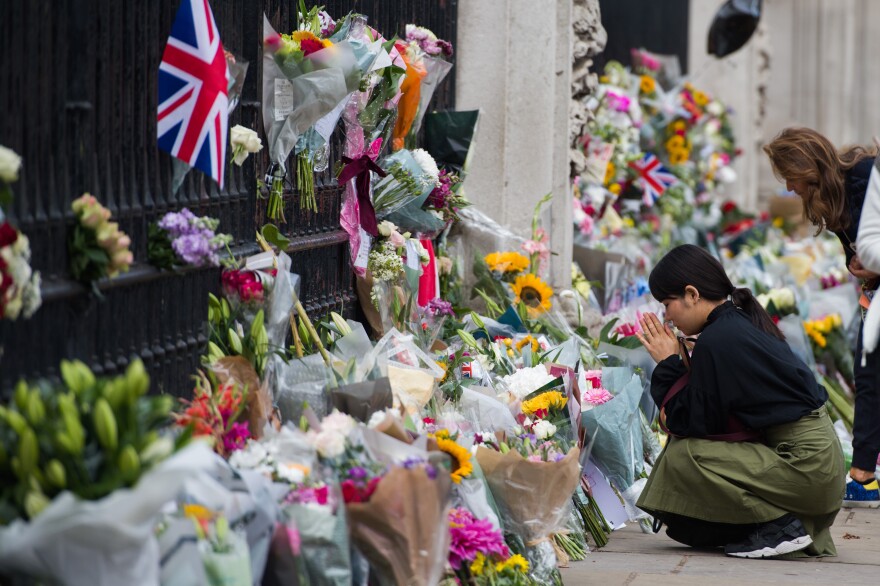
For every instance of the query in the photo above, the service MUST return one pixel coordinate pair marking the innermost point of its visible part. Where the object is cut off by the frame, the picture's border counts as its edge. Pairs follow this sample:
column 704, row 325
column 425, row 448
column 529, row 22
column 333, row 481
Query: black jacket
column 856, row 185
column 736, row 369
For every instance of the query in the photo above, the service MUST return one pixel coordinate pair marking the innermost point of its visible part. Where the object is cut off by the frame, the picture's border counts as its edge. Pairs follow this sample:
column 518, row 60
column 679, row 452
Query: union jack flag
column 653, row 176
column 193, row 91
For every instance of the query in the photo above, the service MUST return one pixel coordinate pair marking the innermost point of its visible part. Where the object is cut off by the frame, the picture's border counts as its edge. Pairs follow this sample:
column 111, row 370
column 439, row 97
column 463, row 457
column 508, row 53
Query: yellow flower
column 629, row 223
column 700, row 99
column 604, row 79
column 534, row 292
column 478, row 565
column 528, row 340
column 614, row 188
column 647, row 84
column 198, row 512
column 679, row 157
column 300, row 36
column 514, row 562
column 610, row 171
column 675, row 143
column 544, row 401
column 507, row 262
column 679, row 125
column 778, row 222
column 461, row 457
column 326, row 43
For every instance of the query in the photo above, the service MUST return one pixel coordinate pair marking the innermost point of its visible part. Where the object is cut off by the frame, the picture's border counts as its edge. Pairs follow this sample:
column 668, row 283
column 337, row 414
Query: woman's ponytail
column 742, row 297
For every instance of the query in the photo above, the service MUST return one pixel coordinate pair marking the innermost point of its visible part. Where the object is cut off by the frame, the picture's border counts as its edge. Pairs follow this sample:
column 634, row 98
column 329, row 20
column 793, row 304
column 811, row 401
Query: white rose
column 291, row 473
column 386, row 228
column 244, row 141
column 726, row 175
column 544, row 429
column 715, row 108
column 782, row 298
column 330, row 444
column 9, row 165
column 338, row 422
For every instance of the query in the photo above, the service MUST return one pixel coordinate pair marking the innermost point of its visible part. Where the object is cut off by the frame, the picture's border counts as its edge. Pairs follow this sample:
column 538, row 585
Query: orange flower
column 408, row 106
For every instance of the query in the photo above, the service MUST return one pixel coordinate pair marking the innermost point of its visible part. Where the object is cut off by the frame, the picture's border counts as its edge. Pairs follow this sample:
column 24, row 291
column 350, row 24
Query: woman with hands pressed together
column 752, row 462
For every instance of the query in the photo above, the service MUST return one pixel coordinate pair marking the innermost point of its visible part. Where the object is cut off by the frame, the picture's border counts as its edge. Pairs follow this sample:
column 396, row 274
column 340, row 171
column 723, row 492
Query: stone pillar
column 514, row 64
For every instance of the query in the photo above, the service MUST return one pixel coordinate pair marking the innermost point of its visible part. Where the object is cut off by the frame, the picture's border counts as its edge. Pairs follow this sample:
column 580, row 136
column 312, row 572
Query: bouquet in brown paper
column 532, row 484
column 257, row 408
column 402, row 528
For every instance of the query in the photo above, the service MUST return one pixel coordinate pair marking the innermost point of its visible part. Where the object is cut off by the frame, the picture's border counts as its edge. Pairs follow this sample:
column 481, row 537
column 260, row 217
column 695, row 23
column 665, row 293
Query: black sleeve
column 665, row 374
column 691, row 413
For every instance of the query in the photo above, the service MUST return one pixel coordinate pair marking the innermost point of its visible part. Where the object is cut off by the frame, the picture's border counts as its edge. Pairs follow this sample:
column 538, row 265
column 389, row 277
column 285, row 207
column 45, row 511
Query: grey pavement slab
column 633, row 558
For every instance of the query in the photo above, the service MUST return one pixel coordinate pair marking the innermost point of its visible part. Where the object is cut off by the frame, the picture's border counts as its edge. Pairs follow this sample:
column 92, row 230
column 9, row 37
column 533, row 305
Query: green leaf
column 274, row 236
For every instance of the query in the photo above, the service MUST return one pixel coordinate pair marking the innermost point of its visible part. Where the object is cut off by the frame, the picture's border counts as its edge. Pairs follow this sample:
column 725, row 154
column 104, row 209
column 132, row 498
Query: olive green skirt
column 798, row 469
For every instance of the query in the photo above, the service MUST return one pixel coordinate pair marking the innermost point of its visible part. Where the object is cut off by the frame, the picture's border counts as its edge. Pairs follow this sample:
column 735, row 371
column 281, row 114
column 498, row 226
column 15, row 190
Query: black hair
column 691, row 265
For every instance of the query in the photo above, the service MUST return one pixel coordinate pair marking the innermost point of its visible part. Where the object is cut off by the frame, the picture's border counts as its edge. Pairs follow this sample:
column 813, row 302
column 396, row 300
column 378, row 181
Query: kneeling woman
column 752, row 463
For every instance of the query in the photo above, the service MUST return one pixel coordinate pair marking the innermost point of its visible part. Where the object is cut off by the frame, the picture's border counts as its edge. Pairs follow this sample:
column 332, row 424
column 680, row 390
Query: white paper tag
column 327, row 124
column 412, row 256
column 283, row 99
column 363, row 253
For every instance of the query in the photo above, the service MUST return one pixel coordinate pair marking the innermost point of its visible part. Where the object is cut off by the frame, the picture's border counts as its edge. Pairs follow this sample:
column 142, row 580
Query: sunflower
column 461, row 458
column 647, row 84
column 675, row 143
column 532, row 291
column 528, row 340
column 679, row 156
column 507, row 262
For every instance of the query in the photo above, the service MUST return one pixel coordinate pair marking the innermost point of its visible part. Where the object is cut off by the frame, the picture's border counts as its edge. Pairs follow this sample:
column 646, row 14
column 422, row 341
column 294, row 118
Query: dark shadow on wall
column 660, row 26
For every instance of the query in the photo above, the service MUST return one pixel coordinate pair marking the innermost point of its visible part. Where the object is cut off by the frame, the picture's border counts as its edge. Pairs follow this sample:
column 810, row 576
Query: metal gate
column 78, row 103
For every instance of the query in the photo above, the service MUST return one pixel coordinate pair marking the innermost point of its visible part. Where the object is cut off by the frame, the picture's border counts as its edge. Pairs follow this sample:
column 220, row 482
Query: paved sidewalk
column 634, row 558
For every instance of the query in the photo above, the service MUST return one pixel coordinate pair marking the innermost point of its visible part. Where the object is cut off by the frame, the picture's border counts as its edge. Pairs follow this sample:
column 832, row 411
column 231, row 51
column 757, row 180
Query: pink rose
column 397, row 239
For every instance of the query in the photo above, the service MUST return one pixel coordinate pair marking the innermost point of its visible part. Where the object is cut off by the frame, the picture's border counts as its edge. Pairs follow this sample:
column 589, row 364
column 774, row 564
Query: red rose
column 371, row 488
column 8, row 235
column 350, row 492
column 251, row 291
column 310, row 46
column 728, row 207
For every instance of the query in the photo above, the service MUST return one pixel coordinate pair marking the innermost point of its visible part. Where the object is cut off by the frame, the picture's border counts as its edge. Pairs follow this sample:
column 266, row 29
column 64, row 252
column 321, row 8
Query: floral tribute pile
column 463, row 434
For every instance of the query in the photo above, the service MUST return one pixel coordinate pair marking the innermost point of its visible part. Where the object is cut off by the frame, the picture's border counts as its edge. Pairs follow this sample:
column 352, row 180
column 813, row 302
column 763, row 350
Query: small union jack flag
column 193, row 91
column 654, row 178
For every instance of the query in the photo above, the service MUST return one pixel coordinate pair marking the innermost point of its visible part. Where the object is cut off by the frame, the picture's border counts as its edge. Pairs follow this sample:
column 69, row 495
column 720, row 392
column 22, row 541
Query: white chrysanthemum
column 527, row 380
column 338, row 422
column 252, row 456
column 428, row 165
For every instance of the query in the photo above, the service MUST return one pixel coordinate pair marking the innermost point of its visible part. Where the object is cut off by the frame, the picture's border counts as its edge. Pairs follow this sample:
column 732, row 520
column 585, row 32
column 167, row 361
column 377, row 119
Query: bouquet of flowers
column 85, row 476
column 411, row 178
column 215, row 413
column 305, row 77
column 19, row 283
column 426, row 66
column 181, row 238
column 97, row 247
column 478, row 554
column 532, row 483
column 224, row 553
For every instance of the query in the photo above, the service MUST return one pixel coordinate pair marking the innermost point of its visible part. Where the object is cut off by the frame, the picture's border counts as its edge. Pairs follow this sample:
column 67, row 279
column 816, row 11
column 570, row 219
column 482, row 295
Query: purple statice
column 193, row 239
column 439, row 307
column 416, row 462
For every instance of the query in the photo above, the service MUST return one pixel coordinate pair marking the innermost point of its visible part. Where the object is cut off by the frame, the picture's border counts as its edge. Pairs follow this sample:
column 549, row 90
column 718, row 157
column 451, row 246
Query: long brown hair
column 802, row 154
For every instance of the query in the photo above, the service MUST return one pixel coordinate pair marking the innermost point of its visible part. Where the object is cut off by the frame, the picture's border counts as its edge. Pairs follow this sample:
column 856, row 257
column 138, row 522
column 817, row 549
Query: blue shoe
column 862, row 495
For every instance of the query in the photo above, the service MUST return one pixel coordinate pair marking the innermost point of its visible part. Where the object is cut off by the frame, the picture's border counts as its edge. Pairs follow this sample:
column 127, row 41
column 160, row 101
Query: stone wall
column 589, row 40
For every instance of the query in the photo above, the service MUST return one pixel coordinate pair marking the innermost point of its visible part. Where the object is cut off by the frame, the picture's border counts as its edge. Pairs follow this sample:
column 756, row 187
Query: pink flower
column 586, row 226
column 236, row 437
column 618, row 102
column 273, row 42
column 293, row 539
column 397, row 239
column 594, row 378
column 470, row 536
column 626, row 330
column 596, row 396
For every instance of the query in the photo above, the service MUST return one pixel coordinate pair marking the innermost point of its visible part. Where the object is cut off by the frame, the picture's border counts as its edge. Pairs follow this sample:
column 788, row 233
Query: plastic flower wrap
column 86, row 477
column 426, row 66
column 532, row 482
column 19, row 283
column 181, row 238
column 97, row 247
column 305, row 78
